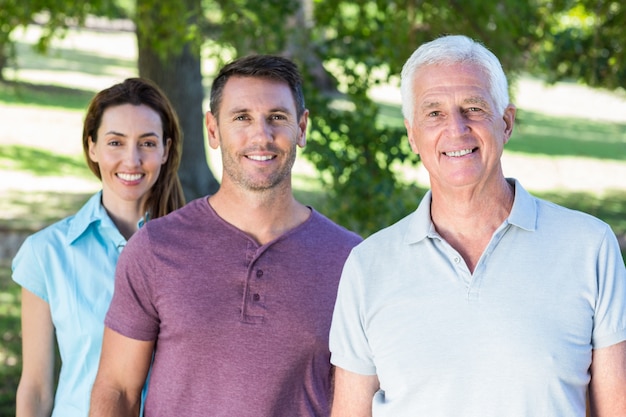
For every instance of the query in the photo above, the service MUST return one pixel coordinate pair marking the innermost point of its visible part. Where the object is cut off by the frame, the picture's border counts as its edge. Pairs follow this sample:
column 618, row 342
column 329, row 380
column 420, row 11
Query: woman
column 132, row 143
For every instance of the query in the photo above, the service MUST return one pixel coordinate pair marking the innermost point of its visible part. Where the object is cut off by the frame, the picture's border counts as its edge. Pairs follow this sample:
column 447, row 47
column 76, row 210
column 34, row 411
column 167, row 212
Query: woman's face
column 130, row 150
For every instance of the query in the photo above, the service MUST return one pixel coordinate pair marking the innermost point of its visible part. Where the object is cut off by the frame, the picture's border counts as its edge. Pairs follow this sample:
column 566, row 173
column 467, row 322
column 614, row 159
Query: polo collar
column 523, row 215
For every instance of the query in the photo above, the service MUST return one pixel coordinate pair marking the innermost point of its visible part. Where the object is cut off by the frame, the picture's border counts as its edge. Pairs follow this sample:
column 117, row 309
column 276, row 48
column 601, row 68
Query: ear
column 302, row 124
column 166, row 152
column 212, row 131
column 92, row 150
column 509, row 121
column 412, row 142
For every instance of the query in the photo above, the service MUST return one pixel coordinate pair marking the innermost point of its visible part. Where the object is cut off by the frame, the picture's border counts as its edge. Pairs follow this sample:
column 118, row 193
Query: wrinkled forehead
column 464, row 81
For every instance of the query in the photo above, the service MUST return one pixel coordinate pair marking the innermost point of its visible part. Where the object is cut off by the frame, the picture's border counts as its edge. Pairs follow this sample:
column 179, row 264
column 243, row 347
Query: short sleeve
column 27, row 269
column 610, row 312
column 132, row 312
column 348, row 340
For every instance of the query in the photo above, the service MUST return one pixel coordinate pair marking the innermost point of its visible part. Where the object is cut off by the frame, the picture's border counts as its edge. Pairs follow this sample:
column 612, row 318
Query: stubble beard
column 275, row 179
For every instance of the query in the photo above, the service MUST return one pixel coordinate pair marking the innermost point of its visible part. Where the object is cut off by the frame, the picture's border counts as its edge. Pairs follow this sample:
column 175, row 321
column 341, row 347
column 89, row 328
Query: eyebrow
column 476, row 100
column 430, row 105
column 470, row 100
column 144, row 135
column 273, row 110
column 280, row 110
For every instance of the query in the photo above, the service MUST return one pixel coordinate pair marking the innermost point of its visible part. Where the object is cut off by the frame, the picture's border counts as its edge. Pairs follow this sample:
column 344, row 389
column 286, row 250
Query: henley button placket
column 257, row 296
column 259, row 274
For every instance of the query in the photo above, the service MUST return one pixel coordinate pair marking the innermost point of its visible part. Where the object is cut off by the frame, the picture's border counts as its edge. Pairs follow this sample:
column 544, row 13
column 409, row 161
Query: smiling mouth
column 461, row 152
column 129, row 177
column 260, row 157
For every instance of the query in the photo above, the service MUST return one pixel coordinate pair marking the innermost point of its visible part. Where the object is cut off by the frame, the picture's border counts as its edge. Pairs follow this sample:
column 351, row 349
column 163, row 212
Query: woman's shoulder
column 62, row 231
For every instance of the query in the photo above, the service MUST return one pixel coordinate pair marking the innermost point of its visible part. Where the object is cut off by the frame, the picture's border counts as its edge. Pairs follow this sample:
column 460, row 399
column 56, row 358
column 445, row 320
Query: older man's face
column 455, row 128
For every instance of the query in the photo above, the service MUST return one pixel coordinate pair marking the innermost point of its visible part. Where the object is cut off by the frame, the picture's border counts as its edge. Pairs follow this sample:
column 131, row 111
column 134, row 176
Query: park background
column 569, row 144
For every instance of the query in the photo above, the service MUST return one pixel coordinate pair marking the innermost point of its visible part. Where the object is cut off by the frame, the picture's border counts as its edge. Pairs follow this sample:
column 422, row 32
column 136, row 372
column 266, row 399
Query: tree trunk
column 299, row 47
column 179, row 75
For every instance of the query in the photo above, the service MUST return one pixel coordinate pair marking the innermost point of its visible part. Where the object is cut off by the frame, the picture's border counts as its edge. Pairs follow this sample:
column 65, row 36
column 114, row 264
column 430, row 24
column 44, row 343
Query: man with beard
column 228, row 301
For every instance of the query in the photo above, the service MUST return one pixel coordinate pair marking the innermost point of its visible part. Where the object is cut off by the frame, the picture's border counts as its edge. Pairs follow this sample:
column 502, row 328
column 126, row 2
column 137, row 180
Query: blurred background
column 565, row 60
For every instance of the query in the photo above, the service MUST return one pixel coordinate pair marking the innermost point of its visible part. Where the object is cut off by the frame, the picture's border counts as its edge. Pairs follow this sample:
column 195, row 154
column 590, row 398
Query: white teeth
column 260, row 157
column 459, row 153
column 129, row 177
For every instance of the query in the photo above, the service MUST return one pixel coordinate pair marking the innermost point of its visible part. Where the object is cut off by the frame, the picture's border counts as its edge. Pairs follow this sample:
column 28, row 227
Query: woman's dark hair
column 166, row 194
column 263, row 66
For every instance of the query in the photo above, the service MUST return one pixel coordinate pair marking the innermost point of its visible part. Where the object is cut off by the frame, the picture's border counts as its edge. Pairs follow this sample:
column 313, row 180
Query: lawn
column 9, row 341
column 62, row 84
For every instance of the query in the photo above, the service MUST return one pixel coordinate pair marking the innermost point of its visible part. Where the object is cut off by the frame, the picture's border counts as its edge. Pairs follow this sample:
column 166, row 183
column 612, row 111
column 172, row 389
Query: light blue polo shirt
column 514, row 338
column 71, row 266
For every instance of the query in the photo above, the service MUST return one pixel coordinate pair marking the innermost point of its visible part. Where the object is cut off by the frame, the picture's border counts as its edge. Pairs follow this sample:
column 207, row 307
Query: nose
column 262, row 131
column 457, row 123
column 132, row 156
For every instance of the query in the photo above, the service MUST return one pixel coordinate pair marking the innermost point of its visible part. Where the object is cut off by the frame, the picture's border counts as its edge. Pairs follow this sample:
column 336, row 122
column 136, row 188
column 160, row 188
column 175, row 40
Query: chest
column 80, row 285
column 505, row 322
column 239, row 293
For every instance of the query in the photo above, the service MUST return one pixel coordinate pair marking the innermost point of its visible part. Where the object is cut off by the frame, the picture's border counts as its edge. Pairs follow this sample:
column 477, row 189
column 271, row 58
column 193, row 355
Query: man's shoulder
column 536, row 213
column 180, row 224
column 561, row 215
column 394, row 239
column 190, row 213
column 324, row 225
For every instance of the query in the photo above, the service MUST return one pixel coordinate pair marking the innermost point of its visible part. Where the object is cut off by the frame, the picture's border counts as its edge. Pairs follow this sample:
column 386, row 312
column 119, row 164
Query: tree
column 345, row 47
column 351, row 169
column 365, row 42
column 19, row 13
column 586, row 42
column 169, row 54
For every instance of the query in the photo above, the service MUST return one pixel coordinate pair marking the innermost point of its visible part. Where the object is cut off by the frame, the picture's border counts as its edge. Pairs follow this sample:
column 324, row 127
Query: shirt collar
column 420, row 224
column 92, row 211
column 523, row 215
column 143, row 220
column 524, row 211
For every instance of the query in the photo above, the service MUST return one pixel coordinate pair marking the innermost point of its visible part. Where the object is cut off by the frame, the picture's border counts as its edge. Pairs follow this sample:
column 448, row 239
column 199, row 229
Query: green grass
column 42, row 162
column 10, row 348
column 539, row 134
column 28, row 212
column 19, row 93
column 62, row 59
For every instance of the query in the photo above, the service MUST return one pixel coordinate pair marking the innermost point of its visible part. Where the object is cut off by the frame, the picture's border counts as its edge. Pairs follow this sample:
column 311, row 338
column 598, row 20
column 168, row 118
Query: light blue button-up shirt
column 71, row 266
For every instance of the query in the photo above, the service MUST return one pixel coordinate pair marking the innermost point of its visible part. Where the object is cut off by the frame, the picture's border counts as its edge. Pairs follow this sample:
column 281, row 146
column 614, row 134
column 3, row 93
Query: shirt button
column 256, row 297
column 457, row 259
column 259, row 273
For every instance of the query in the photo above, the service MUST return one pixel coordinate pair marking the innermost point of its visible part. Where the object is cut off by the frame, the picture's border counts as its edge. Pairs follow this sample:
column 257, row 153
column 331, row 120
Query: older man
column 486, row 301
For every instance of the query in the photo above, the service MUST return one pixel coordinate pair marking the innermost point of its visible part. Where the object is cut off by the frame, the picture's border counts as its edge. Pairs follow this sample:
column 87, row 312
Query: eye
column 278, row 117
column 474, row 109
column 434, row 113
column 241, row 117
column 114, row 142
column 150, row 144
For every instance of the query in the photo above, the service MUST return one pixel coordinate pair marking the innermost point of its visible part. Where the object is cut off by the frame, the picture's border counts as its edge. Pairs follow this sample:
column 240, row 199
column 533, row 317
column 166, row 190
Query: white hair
column 448, row 50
